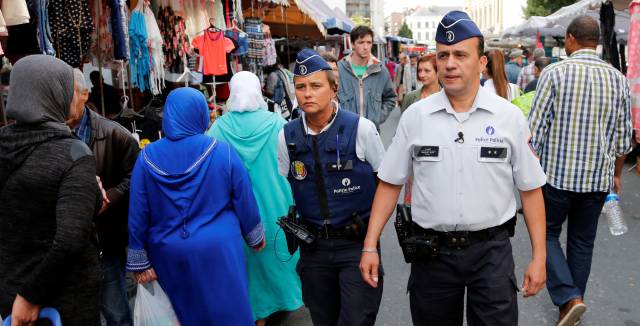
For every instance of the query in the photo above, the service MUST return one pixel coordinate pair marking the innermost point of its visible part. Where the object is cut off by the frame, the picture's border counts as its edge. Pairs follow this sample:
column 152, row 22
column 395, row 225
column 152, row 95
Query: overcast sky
column 398, row 5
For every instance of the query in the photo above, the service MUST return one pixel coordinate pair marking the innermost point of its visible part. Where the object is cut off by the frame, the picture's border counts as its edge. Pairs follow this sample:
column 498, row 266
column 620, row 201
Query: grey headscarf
column 41, row 91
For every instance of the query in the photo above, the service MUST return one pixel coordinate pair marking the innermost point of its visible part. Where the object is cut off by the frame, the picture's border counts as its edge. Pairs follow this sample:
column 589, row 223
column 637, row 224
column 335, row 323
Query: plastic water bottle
column 613, row 213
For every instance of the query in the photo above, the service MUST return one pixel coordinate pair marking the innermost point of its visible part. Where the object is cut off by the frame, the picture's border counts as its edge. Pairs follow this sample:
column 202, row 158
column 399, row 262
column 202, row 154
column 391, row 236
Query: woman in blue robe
column 191, row 206
column 253, row 131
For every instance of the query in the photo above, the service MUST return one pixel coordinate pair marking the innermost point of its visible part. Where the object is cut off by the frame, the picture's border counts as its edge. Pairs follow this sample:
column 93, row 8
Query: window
column 419, row 36
column 418, row 25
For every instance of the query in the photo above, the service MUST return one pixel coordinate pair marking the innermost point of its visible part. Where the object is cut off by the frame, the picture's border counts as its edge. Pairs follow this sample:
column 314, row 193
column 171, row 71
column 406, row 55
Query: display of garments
column 270, row 55
column 196, row 13
column 213, row 46
column 71, row 29
column 176, row 42
column 44, row 30
column 241, row 39
column 3, row 24
column 255, row 54
column 139, row 62
column 633, row 72
column 154, row 39
column 15, row 12
column 102, row 45
column 119, row 29
column 228, row 11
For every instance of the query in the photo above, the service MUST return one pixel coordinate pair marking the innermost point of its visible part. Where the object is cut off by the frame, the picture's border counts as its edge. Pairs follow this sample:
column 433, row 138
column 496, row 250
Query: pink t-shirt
column 213, row 46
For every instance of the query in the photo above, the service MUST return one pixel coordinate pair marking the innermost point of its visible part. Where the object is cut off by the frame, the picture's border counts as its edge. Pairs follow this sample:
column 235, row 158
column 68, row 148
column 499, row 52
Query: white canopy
column 556, row 23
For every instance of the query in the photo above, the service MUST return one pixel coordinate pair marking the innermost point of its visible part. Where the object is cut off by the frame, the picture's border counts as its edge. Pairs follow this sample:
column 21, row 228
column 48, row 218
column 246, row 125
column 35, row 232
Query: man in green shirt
column 365, row 86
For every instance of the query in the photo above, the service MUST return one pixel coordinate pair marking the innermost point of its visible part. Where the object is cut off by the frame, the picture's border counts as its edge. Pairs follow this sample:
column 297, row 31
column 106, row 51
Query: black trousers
column 332, row 286
column 485, row 270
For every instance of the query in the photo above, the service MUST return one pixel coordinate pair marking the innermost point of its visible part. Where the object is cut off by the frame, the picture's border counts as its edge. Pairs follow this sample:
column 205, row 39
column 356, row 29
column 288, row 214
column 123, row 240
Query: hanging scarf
column 139, row 57
column 154, row 38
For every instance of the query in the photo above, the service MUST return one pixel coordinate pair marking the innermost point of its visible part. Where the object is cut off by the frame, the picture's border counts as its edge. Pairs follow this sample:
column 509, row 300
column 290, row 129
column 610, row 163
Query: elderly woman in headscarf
column 48, row 198
column 191, row 206
column 253, row 131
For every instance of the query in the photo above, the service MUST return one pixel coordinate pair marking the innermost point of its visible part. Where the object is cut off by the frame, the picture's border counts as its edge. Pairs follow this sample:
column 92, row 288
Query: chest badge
column 298, row 170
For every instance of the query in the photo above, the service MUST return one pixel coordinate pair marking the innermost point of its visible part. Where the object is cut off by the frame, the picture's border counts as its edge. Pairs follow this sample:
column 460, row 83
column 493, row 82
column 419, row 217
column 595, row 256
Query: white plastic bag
column 153, row 308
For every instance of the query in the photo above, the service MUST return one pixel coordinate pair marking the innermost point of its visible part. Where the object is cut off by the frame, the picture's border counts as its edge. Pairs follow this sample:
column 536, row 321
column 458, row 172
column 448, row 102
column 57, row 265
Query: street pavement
column 612, row 291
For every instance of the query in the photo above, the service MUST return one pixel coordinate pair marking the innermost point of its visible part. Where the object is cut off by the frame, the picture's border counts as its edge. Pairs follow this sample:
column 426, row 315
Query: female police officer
column 467, row 150
column 329, row 157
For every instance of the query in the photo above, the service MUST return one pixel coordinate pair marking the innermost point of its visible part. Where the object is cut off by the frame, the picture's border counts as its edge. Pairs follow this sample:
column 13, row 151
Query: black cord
column 275, row 248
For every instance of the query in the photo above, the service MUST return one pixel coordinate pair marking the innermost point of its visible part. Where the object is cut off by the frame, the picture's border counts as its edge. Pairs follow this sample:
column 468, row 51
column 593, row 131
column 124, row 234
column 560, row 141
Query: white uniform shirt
column 462, row 186
column 369, row 147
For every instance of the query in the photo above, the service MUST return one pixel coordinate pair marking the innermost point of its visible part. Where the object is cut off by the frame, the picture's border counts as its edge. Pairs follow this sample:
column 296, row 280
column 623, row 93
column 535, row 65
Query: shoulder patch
column 78, row 150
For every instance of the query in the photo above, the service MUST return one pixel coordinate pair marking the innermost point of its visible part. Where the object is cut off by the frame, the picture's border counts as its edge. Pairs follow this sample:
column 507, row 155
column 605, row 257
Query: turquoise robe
column 274, row 284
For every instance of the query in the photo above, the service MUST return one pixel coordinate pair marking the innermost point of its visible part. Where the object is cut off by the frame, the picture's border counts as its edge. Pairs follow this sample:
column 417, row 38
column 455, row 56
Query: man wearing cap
column 514, row 66
column 365, row 86
column 467, row 150
column 330, row 157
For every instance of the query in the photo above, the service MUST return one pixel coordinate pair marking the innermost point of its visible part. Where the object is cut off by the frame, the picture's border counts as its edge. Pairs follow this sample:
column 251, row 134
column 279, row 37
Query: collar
column 482, row 101
column 313, row 133
column 584, row 53
column 372, row 59
column 83, row 129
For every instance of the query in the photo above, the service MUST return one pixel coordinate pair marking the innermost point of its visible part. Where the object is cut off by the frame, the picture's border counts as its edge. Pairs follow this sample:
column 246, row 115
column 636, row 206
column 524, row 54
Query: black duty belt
column 351, row 231
column 463, row 239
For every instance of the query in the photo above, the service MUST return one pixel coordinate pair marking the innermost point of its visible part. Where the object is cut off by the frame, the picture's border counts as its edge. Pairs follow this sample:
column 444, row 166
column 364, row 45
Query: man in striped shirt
column 581, row 129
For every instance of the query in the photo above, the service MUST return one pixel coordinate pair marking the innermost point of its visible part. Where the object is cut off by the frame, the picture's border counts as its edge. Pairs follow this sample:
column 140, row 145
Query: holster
column 414, row 247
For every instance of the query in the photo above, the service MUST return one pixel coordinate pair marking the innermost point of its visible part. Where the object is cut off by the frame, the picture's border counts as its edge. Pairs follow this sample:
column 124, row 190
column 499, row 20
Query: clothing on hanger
column 155, row 42
column 139, row 61
column 213, row 47
column 71, row 29
column 15, row 12
column 119, row 29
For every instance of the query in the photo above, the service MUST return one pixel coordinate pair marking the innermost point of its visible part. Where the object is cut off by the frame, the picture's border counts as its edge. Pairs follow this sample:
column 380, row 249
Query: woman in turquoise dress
column 253, row 131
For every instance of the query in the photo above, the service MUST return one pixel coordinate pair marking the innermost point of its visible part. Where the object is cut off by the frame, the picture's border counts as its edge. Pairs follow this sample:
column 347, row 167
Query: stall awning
column 306, row 19
column 400, row 39
column 555, row 25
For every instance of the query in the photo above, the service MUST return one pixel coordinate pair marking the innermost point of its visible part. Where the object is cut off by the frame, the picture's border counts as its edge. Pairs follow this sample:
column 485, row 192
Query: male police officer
column 467, row 149
column 329, row 157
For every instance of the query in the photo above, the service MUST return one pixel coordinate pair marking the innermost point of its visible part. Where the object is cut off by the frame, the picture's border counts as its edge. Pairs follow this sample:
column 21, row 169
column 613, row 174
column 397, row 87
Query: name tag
column 426, row 153
column 493, row 154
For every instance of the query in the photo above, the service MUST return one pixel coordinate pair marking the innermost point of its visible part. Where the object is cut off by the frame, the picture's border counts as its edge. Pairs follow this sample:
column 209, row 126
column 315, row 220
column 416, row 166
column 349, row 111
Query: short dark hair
column 585, row 30
column 542, row 62
column 360, row 32
column 480, row 45
column 94, row 76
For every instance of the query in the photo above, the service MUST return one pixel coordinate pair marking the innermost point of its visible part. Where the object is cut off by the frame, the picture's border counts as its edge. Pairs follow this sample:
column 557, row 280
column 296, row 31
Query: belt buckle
column 458, row 239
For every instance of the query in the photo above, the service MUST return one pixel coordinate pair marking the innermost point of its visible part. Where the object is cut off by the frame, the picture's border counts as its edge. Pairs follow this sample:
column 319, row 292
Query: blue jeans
column 115, row 304
column 567, row 276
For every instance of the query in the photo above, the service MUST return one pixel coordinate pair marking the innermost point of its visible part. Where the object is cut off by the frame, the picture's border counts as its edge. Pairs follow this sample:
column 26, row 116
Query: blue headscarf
column 185, row 119
column 185, row 114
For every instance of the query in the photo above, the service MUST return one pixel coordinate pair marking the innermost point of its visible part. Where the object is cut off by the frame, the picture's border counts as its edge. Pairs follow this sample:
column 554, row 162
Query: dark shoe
column 571, row 312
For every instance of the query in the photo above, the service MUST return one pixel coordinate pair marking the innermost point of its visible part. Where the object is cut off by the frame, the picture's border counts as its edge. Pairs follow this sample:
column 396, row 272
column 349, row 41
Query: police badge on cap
column 456, row 26
column 309, row 62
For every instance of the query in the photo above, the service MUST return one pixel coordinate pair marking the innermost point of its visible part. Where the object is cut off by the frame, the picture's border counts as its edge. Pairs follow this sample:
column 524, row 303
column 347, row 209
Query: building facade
column 395, row 21
column 358, row 8
column 372, row 9
column 494, row 16
column 424, row 21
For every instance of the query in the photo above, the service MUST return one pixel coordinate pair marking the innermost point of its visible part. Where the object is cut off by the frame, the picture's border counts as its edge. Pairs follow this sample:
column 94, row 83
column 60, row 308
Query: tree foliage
column 545, row 7
column 405, row 31
column 361, row 20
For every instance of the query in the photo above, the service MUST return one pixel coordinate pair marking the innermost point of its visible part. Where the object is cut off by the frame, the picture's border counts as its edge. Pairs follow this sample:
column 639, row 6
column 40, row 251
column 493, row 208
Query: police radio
column 294, row 231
